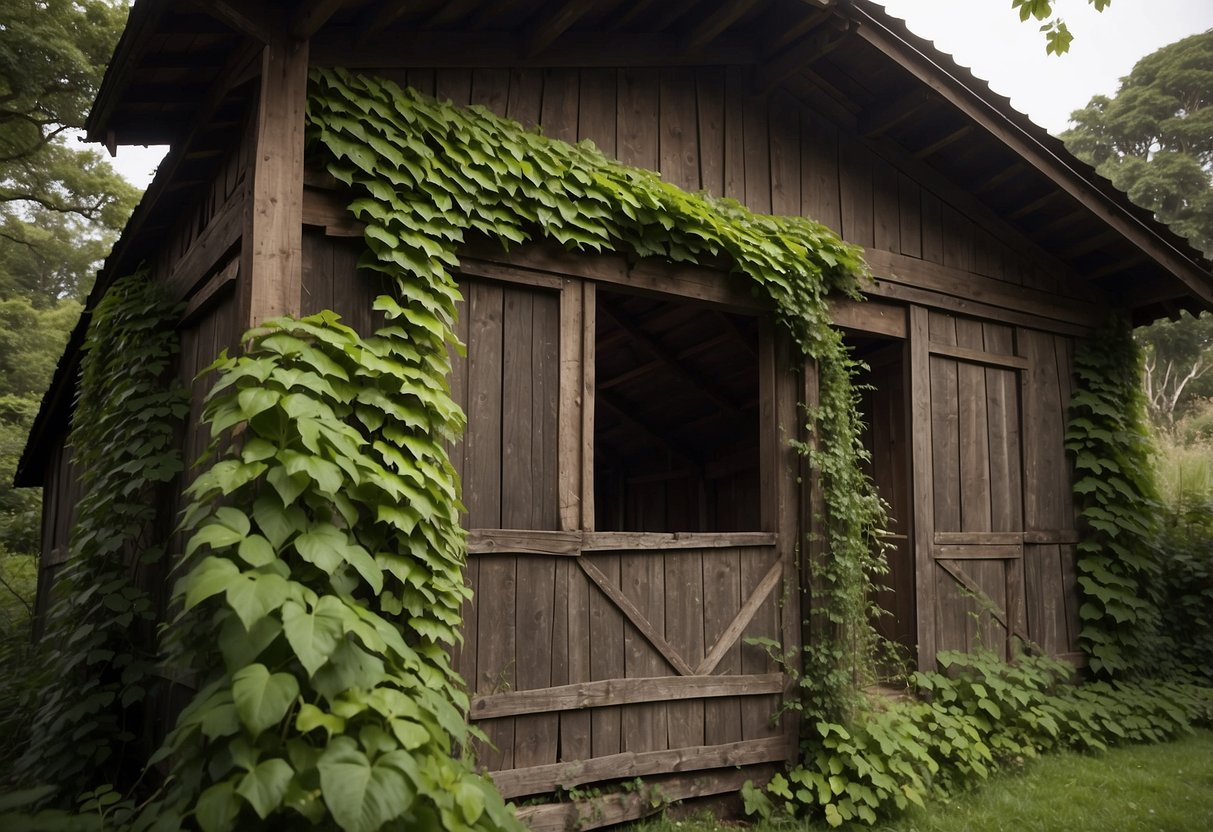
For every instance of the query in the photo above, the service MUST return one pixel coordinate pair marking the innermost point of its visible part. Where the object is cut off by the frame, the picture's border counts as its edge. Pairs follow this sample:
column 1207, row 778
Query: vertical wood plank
column 886, row 210
column 526, row 97
column 606, row 649
column 734, row 134
column 642, row 579
column 482, row 442
column 910, row 215
column 721, row 601
column 269, row 283
column 932, row 228
column 453, row 84
column 465, row 653
column 785, row 156
column 638, row 114
column 709, row 97
column 678, row 150
column 558, row 112
column 569, row 451
column 974, row 423
column 923, row 481
column 589, row 357
column 684, row 630
column 598, row 109
column 491, row 89
column 757, row 156
column 820, row 199
column 855, row 167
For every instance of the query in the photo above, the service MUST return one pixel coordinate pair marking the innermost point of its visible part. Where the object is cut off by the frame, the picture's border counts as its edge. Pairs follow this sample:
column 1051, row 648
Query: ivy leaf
column 361, row 796
column 265, row 786
column 262, row 699
column 254, row 595
column 217, row 808
column 212, row 576
column 314, row 635
column 255, row 550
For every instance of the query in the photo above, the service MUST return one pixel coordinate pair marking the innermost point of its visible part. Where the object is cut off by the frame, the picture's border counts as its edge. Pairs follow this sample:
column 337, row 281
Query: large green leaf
column 314, row 634
column 265, row 786
column 262, row 698
column 362, row 796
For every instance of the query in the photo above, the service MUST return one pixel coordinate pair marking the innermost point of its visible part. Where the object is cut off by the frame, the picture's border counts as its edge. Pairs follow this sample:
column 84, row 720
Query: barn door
column 966, row 389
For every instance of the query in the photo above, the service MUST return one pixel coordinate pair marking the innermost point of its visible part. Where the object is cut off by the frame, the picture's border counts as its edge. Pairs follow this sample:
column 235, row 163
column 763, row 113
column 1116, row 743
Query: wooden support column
column 272, row 252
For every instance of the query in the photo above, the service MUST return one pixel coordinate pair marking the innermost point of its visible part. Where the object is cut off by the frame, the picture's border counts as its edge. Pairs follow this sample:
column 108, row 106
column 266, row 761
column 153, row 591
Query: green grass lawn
column 1160, row 788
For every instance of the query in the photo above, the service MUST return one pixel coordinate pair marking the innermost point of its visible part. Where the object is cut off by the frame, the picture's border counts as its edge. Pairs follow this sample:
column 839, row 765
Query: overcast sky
column 986, row 36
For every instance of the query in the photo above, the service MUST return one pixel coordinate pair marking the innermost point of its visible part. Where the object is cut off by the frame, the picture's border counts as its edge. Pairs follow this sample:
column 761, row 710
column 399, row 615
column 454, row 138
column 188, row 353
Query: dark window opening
column 676, row 417
column 883, row 405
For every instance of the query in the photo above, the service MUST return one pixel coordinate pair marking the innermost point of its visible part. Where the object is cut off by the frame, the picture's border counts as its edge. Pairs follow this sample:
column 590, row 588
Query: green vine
column 983, row 715
column 124, row 437
column 1108, row 440
column 432, row 172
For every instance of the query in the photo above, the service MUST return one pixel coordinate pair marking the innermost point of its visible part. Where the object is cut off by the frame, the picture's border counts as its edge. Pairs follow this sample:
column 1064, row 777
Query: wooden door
column 966, row 391
column 593, row 656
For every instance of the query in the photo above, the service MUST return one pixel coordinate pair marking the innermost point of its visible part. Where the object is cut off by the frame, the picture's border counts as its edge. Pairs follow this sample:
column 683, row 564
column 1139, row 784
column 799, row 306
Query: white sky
column 987, row 37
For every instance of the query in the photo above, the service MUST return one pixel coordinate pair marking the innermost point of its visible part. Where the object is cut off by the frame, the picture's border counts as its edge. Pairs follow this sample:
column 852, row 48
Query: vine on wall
column 1108, row 439
column 431, row 173
column 99, row 664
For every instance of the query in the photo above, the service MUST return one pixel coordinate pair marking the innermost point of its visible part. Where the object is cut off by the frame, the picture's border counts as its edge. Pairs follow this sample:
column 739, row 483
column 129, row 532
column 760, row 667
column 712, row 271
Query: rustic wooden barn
column 635, row 510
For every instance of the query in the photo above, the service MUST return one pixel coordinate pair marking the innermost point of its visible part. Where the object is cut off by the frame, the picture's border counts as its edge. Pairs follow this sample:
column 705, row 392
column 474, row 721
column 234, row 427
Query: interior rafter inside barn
column 181, row 77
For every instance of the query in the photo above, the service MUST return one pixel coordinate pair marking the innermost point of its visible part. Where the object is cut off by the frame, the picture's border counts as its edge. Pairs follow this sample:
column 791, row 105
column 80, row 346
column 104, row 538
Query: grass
column 1143, row 788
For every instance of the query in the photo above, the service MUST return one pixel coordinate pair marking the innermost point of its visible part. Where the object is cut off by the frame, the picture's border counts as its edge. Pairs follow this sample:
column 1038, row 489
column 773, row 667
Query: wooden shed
column 634, row 508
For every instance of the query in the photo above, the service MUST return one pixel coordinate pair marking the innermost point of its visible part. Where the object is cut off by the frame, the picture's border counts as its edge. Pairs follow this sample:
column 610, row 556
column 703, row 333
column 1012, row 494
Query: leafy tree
column 52, row 195
column 1154, row 138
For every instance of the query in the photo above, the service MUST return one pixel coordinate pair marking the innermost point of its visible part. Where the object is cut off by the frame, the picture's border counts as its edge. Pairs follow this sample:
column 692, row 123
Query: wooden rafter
column 819, row 43
column 660, row 353
column 649, row 366
column 877, row 120
column 1034, row 206
column 999, row 178
column 625, row 414
column 312, row 15
column 249, row 17
column 708, row 29
column 552, row 23
column 945, row 140
column 1086, row 246
column 356, row 48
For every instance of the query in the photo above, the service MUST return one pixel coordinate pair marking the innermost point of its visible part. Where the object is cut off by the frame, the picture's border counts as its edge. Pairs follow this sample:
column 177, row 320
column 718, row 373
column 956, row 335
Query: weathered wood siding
column 704, row 130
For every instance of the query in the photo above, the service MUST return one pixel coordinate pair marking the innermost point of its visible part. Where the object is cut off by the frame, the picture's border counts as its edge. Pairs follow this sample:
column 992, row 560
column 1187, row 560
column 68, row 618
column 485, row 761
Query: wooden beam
column 942, row 142
column 356, row 48
column 249, row 17
column 272, row 268
column 311, row 16
column 609, row 692
column 817, row 44
column 522, row 542
column 650, row 345
column 1092, row 243
column 710, row 27
column 549, row 25
column 1034, row 206
column 869, row 316
column 885, row 117
column 673, row 541
column 922, row 494
column 632, row 764
column 625, row 415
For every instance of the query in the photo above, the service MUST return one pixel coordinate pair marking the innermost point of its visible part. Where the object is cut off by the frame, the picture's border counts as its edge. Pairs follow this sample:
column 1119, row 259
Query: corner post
column 271, row 272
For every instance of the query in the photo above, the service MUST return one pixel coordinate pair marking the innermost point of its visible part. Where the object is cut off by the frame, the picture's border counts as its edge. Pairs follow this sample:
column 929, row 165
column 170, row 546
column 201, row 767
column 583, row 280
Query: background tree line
column 61, row 208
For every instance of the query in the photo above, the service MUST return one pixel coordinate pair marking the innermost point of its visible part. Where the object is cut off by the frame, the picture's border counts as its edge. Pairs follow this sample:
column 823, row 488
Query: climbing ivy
column 324, row 589
column 1108, row 440
column 99, row 654
column 428, row 173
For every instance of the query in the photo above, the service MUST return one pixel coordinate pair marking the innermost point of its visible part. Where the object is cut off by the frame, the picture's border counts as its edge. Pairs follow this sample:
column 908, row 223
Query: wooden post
column 272, row 251
column 923, row 484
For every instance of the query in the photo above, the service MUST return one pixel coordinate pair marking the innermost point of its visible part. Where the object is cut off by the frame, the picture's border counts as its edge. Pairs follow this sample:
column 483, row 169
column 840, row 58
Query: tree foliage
column 1154, row 137
column 1057, row 33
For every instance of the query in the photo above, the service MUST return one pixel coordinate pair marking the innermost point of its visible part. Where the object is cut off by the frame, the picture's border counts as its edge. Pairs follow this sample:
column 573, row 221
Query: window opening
column 884, row 409
column 676, row 419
